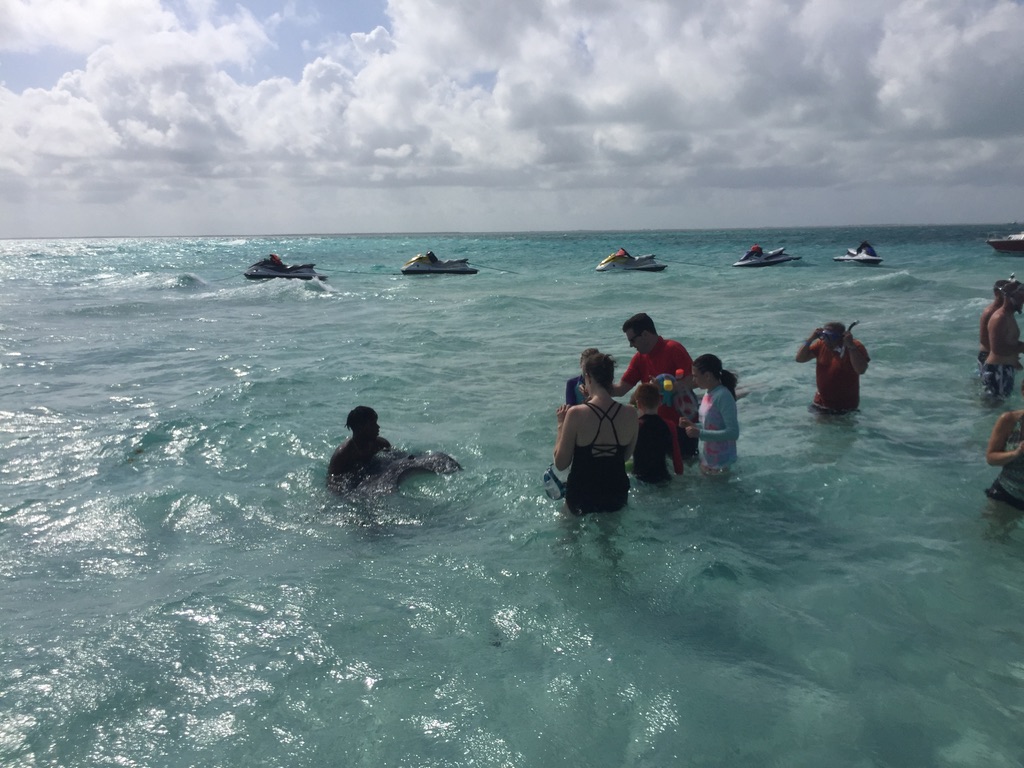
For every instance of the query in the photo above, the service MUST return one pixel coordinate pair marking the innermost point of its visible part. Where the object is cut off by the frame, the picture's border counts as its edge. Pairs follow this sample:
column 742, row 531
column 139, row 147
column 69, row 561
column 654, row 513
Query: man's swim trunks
column 998, row 379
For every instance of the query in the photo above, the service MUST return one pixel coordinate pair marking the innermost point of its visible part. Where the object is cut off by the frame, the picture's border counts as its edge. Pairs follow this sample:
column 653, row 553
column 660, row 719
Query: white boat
column 1008, row 244
column 621, row 260
column 756, row 257
column 864, row 254
column 428, row 264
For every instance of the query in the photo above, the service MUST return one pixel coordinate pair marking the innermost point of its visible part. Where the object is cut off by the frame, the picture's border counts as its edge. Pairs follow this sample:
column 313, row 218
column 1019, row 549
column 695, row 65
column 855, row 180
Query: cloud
column 605, row 101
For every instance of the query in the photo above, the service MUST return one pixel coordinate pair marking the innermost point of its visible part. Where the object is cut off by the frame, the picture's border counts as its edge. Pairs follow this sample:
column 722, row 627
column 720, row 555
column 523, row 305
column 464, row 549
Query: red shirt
column 667, row 356
column 838, row 383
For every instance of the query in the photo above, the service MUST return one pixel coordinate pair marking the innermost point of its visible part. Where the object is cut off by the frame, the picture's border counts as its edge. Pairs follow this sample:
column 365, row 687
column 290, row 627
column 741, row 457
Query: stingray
column 387, row 471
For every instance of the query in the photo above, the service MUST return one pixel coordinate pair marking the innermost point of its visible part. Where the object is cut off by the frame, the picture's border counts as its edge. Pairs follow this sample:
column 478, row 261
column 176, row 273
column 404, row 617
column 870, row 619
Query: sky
column 201, row 117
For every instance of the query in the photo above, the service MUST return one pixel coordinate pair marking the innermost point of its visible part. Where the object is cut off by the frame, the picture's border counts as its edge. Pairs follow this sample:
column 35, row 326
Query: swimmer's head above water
column 361, row 417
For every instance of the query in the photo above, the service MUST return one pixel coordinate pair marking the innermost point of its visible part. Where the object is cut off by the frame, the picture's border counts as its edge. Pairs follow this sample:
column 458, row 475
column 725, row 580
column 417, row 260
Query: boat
column 864, row 254
column 756, row 257
column 428, row 264
column 621, row 260
column 272, row 267
column 1008, row 244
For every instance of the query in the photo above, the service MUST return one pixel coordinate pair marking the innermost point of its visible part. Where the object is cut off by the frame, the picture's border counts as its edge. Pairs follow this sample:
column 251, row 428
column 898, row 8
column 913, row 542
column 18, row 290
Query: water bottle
column 553, row 486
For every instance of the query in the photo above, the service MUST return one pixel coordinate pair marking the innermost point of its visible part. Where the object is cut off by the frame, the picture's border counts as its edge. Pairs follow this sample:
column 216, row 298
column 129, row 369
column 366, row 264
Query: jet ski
column 428, row 264
column 268, row 269
column 622, row 260
column 864, row 254
column 756, row 257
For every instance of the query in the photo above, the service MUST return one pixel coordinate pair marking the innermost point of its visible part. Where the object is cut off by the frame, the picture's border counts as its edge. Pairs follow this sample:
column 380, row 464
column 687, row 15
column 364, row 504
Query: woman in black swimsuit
column 596, row 438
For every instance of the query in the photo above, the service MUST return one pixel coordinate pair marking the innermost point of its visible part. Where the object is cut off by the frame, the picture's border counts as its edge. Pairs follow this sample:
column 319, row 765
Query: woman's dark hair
column 711, row 364
column 587, row 353
column 360, row 415
column 601, row 368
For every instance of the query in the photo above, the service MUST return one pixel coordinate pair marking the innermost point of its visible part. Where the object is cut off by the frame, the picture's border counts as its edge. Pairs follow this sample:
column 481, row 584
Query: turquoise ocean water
column 180, row 589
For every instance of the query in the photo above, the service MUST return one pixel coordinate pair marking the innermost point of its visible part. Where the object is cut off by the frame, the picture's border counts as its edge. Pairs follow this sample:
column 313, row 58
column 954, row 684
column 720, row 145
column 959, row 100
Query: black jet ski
column 268, row 269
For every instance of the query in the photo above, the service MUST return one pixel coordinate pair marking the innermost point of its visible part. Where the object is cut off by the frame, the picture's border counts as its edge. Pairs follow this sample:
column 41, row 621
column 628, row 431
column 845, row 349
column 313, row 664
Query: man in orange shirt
column 841, row 361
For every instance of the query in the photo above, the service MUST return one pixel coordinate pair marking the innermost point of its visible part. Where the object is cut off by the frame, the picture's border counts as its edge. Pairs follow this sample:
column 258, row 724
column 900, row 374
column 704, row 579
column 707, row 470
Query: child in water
column 653, row 440
column 719, row 425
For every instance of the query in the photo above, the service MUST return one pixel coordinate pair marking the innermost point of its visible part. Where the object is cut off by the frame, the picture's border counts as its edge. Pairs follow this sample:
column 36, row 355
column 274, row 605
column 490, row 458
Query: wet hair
column 711, row 364
column 360, row 416
column 1007, row 287
column 647, row 396
column 601, row 368
column 639, row 323
column 587, row 353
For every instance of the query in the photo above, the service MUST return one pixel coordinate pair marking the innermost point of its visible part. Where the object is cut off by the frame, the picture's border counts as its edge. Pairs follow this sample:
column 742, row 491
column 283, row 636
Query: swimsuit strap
column 597, row 449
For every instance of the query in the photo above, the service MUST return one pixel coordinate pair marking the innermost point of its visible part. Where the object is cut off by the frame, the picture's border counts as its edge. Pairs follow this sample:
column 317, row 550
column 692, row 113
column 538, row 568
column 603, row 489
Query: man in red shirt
column 841, row 361
column 655, row 356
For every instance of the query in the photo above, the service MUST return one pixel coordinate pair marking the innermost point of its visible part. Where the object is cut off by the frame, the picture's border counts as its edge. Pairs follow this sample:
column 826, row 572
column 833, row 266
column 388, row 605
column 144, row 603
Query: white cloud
column 549, row 113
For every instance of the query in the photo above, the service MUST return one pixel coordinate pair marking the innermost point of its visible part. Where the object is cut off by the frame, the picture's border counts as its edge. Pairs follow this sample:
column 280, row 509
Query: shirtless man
column 1005, row 345
column 986, row 315
column 365, row 443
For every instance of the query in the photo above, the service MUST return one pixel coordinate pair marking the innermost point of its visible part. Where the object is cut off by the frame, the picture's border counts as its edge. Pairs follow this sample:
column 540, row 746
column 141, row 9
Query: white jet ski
column 428, row 264
column 756, row 257
column 268, row 269
column 864, row 254
column 622, row 260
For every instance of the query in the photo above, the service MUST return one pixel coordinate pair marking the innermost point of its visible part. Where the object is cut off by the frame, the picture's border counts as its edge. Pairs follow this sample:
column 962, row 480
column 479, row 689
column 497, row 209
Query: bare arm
column 858, row 357
column 619, row 389
column 996, row 454
column 565, row 440
column 636, row 433
column 805, row 354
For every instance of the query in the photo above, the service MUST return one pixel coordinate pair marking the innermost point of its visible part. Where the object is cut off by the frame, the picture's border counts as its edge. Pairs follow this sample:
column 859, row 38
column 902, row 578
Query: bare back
column 1003, row 337
column 986, row 316
column 619, row 426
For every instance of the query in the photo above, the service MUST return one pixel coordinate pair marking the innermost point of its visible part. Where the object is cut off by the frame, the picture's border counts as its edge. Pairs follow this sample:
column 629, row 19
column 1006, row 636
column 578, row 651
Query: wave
column 896, row 281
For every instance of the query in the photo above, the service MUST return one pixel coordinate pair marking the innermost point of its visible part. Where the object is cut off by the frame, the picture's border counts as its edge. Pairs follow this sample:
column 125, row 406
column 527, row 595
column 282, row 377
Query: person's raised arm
column 805, row 353
column 858, row 355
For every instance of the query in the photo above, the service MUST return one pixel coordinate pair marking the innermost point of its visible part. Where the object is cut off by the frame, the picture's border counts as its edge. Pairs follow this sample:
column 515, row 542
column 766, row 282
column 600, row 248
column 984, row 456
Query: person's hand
column 816, row 334
column 560, row 413
column 684, row 423
column 693, row 431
